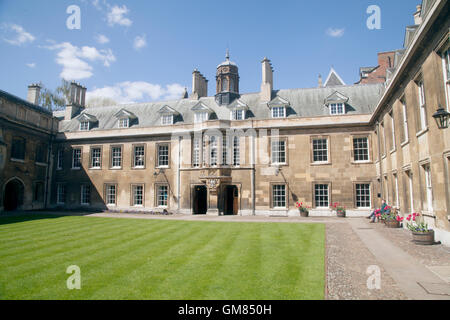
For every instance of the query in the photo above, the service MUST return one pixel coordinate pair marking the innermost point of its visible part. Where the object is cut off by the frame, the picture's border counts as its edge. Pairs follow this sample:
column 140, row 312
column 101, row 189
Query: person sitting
column 377, row 213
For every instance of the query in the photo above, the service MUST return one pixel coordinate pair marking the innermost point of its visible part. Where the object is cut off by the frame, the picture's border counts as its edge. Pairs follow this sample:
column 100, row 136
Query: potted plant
column 393, row 220
column 340, row 210
column 420, row 232
column 304, row 210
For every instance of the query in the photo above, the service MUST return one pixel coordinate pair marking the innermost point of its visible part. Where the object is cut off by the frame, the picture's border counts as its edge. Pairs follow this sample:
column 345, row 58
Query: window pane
column 163, row 156
column 96, row 158
column 76, row 158
column 279, row 196
column 163, row 196
column 138, row 195
column 361, row 149
column 321, row 195
column 111, row 194
column 139, row 156
column 116, row 157
column 320, row 150
column 279, row 151
column 85, row 194
column 363, row 195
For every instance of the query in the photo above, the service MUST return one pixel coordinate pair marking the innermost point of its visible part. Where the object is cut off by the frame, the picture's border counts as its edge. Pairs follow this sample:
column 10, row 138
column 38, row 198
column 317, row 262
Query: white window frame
column 394, row 145
column 279, row 196
column 405, row 121
column 60, row 159
column 138, row 195
column 321, row 195
column 200, row 117
column 61, row 194
column 85, row 194
column 213, row 151
column 446, row 70
column 428, row 187
column 278, row 150
column 237, row 115
column 163, row 156
column 124, row 123
column 139, row 157
column 225, row 147
column 97, row 157
column 167, row 119
column 397, row 196
column 320, row 150
column 354, row 150
column 85, row 126
column 196, row 152
column 115, row 157
column 422, row 105
column 162, row 201
column 337, row 109
column 236, row 151
column 76, row 155
column 362, row 197
column 111, row 194
column 279, row 112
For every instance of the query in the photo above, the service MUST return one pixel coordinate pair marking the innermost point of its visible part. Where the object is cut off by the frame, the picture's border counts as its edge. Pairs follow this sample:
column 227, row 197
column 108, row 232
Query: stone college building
column 240, row 153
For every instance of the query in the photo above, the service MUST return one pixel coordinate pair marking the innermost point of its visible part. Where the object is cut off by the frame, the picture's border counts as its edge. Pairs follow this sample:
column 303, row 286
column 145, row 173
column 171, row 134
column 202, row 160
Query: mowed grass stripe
column 161, row 259
column 140, row 281
column 54, row 241
column 87, row 262
column 125, row 262
column 89, row 246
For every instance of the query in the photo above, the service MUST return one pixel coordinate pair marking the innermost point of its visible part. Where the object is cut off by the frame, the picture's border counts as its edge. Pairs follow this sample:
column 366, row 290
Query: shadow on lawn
column 24, row 216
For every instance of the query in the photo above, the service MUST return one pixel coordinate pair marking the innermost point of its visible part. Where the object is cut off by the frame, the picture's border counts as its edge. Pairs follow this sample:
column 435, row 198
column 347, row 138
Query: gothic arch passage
column 13, row 195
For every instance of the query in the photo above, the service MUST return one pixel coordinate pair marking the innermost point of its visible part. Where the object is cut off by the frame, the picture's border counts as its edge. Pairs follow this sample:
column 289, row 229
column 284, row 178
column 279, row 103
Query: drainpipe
column 48, row 169
column 379, row 158
column 179, row 173
column 253, row 177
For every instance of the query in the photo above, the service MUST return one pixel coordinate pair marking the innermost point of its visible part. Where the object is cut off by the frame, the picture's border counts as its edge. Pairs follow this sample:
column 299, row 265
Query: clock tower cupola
column 227, row 81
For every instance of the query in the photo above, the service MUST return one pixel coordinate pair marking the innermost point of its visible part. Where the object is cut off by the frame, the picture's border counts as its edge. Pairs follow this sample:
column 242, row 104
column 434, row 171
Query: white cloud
column 335, row 32
column 102, row 39
column 16, row 34
column 73, row 60
column 138, row 91
column 31, row 65
column 140, row 42
column 116, row 16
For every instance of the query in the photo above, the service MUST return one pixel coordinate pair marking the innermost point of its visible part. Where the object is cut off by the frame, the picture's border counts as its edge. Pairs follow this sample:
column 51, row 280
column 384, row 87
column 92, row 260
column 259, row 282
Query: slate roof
column 362, row 99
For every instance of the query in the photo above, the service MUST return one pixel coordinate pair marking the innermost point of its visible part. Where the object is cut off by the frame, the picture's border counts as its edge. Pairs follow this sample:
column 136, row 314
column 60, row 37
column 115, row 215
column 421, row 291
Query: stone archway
column 13, row 193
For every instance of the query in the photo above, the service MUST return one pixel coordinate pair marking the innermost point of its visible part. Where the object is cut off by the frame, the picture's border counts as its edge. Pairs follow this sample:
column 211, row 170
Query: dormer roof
column 86, row 117
column 168, row 110
column 125, row 114
column 278, row 102
column 336, row 97
column 334, row 79
column 199, row 107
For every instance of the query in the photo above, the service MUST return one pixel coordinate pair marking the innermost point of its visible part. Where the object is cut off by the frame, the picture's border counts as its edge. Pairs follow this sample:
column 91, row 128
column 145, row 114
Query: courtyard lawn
column 160, row 259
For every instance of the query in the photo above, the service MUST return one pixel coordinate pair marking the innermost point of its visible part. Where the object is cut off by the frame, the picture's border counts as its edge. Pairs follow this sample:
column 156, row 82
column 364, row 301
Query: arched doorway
column 13, row 195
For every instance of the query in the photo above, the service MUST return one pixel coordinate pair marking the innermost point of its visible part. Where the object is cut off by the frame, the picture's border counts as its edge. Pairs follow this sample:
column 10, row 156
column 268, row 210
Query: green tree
column 57, row 99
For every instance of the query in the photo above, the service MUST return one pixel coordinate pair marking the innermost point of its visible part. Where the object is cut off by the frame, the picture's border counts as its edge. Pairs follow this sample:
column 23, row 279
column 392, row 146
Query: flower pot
column 341, row 214
column 304, row 214
column 423, row 238
column 392, row 224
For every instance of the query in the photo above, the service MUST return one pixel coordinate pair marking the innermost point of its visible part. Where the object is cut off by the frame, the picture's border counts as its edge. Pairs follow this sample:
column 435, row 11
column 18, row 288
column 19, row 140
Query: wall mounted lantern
column 442, row 117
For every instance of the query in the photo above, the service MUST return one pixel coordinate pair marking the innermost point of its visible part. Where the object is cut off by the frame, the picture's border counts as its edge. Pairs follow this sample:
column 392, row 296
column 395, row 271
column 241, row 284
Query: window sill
column 422, row 132
column 363, row 162
column 41, row 164
column 276, row 164
column 167, row 167
column 95, row 168
column 404, row 143
column 138, row 168
column 17, row 160
column 320, row 163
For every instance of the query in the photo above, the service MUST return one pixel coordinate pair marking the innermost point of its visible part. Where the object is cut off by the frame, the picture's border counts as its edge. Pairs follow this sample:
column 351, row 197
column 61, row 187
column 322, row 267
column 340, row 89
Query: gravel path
column 347, row 262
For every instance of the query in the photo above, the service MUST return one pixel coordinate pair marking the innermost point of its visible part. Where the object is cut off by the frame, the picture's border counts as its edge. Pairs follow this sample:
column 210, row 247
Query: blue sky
column 146, row 50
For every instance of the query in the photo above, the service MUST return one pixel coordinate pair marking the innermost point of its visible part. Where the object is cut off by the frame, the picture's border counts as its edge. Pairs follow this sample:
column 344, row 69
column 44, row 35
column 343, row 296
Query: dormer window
column 278, row 107
column 87, row 121
column 237, row 114
column 84, row 126
column 337, row 103
column 167, row 115
column 201, row 117
column 125, row 119
column 167, row 119
column 124, row 123
column 278, row 112
column 337, row 108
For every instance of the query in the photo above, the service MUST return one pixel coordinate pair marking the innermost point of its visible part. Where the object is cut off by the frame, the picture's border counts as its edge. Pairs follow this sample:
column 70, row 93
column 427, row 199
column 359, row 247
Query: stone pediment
column 86, row 117
column 125, row 114
column 238, row 105
column 278, row 102
column 201, row 107
column 336, row 97
column 167, row 110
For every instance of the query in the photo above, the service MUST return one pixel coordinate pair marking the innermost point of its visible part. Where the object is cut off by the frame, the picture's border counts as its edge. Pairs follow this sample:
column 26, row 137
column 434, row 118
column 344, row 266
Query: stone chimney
column 267, row 80
column 320, row 81
column 199, row 85
column 417, row 15
column 34, row 91
column 76, row 103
